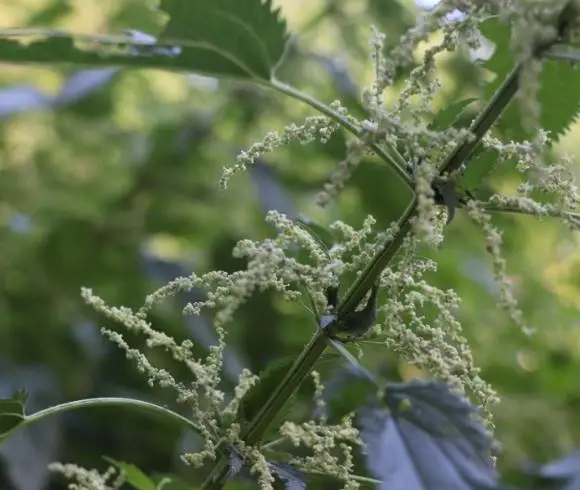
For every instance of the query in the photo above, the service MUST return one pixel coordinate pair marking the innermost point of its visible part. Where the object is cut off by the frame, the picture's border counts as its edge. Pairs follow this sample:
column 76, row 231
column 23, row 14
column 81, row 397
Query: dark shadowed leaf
column 21, row 98
column 427, row 440
column 193, row 40
column 82, row 84
column 563, row 474
column 345, row 392
column 293, row 479
column 559, row 105
column 135, row 477
column 11, row 413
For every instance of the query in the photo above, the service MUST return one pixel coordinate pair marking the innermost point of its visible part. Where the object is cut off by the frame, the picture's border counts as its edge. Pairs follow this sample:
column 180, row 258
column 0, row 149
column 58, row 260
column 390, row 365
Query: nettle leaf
column 242, row 39
column 293, row 479
column 427, row 440
column 135, row 477
column 11, row 414
column 321, row 235
column 451, row 115
column 563, row 474
column 257, row 395
column 246, row 38
column 558, row 96
column 345, row 392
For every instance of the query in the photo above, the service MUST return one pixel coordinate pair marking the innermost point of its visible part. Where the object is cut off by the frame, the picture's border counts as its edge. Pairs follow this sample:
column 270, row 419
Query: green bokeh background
column 118, row 191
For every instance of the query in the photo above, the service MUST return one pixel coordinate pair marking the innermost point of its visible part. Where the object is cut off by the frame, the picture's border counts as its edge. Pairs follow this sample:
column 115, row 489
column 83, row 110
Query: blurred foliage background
column 109, row 179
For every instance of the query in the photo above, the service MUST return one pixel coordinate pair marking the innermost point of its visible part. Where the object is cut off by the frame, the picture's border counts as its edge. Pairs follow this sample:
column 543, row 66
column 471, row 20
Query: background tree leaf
column 562, row 474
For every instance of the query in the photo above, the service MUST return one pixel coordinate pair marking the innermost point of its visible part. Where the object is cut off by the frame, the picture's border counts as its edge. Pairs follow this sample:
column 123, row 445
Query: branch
column 388, row 154
column 514, row 208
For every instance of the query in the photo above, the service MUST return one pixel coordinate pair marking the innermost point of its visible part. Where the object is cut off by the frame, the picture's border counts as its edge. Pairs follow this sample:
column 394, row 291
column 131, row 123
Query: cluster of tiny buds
column 83, row 479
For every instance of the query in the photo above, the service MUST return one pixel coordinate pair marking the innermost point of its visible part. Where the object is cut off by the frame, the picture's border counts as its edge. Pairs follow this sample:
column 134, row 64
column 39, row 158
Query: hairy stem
column 388, row 154
column 150, row 408
column 552, row 213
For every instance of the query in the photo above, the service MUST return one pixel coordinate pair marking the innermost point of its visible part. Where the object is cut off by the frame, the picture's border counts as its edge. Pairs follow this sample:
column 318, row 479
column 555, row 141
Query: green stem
column 109, row 402
column 500, row 100
column 483, row 122
column 252, row 435
column 379, row 262
column 552, row 213
column 388, row 154
column 312, row 352
column 362, row 479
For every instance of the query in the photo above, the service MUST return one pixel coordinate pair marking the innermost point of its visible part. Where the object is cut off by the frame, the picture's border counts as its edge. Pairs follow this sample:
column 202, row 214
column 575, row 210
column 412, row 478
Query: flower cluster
column 84, row 479
column 418, row 322
column 330, row 446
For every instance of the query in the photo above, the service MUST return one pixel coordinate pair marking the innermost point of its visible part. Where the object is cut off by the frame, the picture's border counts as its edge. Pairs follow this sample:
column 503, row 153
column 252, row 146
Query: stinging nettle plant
column 361, row 285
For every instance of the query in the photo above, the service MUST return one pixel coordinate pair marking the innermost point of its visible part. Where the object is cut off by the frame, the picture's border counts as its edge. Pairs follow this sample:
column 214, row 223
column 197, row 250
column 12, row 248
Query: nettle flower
column 85, row 479
column 435, row 343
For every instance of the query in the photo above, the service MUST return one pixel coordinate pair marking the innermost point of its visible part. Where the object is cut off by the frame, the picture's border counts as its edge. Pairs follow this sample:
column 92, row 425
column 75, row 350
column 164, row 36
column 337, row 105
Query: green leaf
column 11, row 414
column 321, row 235
column 135, row 477
column 12, row 411
column 256, row 397
column 345, row 392
column 450, row 115
column 243, row 39
column 559, row 101
column 246, row 34
column 558, row 98
column 293, row 479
